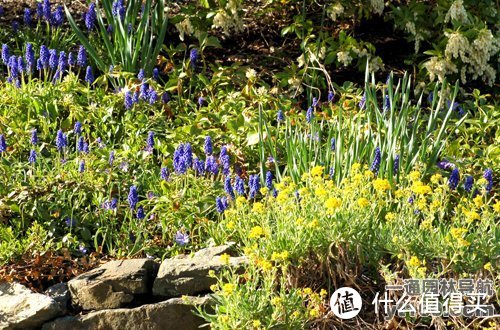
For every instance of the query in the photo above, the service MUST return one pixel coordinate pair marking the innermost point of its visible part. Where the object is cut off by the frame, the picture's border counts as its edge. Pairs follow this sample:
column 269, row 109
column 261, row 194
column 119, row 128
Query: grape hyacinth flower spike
column 454, row 179
column 133, row 197
column 34, row 137
column 32, row 157
column 3, row 143
column 488, row 175
column 376, row 161
column 193, row 57
column 208, row 147
column 89, row 76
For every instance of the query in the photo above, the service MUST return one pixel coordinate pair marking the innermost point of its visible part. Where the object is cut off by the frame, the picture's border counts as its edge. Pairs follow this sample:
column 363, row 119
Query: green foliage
column 399, row 128
column 130, row 49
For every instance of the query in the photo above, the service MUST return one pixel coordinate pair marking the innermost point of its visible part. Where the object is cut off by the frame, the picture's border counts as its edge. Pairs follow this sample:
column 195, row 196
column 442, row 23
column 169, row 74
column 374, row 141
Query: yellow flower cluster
column 381, row 185
column 420, row 189
column 256, row 232
column 332, row 204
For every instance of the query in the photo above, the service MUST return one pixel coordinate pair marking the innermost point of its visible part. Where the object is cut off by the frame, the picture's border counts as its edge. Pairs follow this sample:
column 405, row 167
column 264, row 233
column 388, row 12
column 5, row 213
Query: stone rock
column 172, row 314
column 60, row 293
column 211, row 252
column 189, row 276
column 114, row 284
column 21, row 308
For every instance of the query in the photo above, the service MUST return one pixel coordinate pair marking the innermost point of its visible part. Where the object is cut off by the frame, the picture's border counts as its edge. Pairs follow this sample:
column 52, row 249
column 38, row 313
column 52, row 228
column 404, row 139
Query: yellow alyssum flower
column 457, row 232
column 487, row 266
column 256, row 323
column 390, row 216
column 228, row 288
column 230, row 225
column 240, row 200
column 256, row 232
column 276, row 301
column 421, row 203
column 395, row 239
column 436, row 178
column 333, row 203
column 299, row 221
column 314, row 313
column 223, row 318
column 496, row 207
column 224, row 258
column 305, row 177
column 320, row 192
column 307, row 291
column 369, row 174
column 482, row 182
column 264, row 191
column 265, row 265
column 363, row 202
column 414, row 262
column 279, row 186
column 317, row 170
column 314, row 223
column 470, row 216
column 214, row 287
column 414, row 175
column 279, row 256
column 295, row 315
column 357, row 178
column 282, row 196
column 426, row 224
column 381, row 185
column 323, row 293
column 420, row 189
column 421, row 271
column 355, row 167
column 258, row 207
column 478, row 201
column 399, row 193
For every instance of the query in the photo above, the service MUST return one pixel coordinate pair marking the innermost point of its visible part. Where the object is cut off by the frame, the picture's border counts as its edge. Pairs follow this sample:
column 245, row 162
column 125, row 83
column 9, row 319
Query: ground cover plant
column 124, row 132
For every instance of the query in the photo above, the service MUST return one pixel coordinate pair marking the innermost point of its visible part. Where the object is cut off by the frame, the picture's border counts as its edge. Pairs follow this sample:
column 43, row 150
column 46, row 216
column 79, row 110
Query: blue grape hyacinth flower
column 61, row 140
column 469, row 181
column 280, row 117
column 239, row 185
column 376, row 161
column 81, row 58
column 193, row 57
column 89, row 76
column 90, row 17
column 208, row 146
column 140, row 213
column 133, row 197
column 253, row 185
column 454, row 179
column 488, row 175
column 150, row 141
column 34, row 137
column 3, row 143
column 395, row 167
column 32, row 157
column 228, row 187
column 269, row 180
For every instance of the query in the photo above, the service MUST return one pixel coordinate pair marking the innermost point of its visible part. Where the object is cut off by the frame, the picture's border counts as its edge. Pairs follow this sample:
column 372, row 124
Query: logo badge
column 346, row 303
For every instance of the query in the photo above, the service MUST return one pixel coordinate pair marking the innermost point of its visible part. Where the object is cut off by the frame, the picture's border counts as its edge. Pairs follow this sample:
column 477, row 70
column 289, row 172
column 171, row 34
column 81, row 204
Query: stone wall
column 121, row 294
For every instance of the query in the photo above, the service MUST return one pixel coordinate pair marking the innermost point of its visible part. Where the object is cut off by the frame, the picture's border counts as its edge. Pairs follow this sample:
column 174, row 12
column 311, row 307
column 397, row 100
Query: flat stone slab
column 189, row 275
column 172, row 314
column 113, row 285
column 21, row 308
